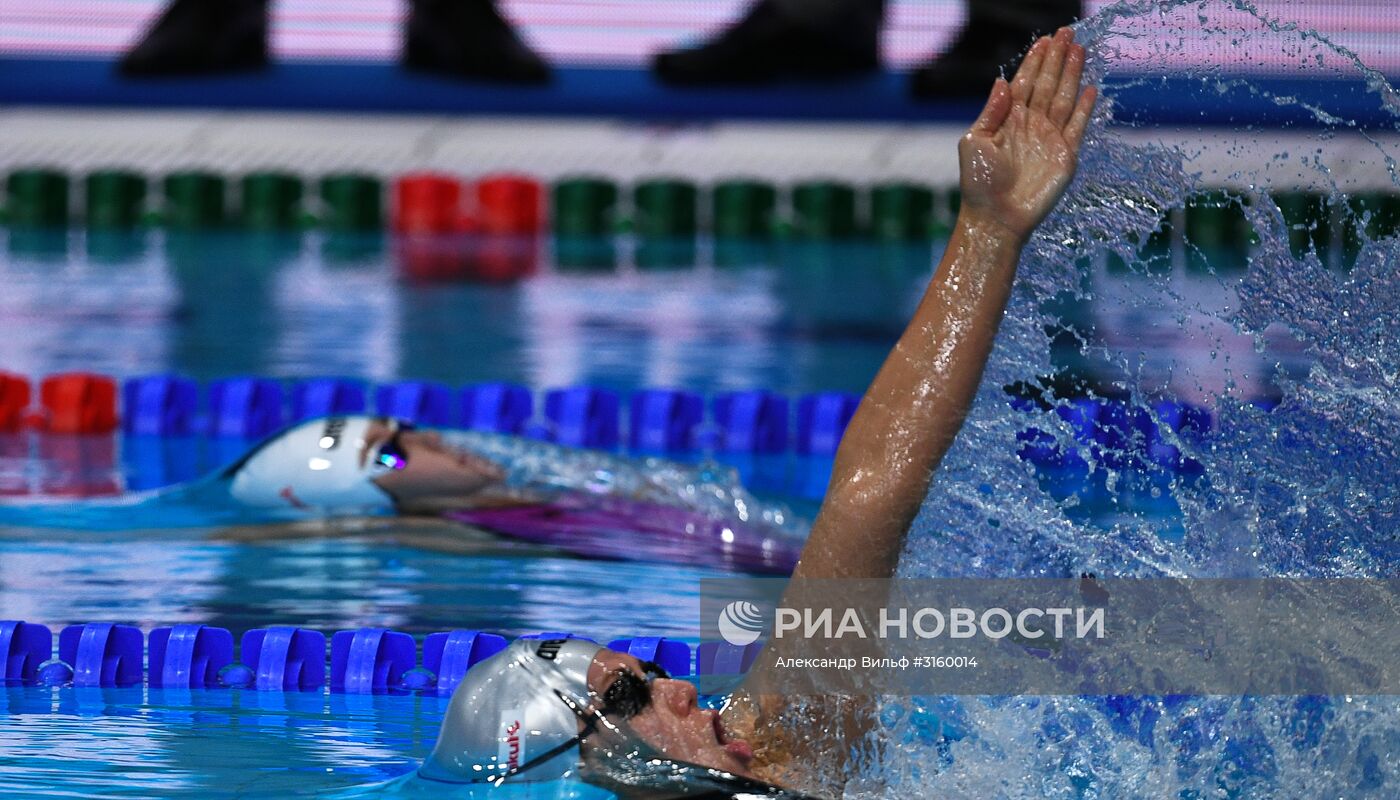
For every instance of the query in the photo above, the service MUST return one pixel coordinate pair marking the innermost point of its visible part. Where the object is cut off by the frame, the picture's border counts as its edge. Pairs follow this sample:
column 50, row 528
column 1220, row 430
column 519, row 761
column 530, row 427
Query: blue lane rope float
column 448, row 656
column 324, row 397
column 777, row 443
column 751, row 422
column 497, row 408
column 245, row 408
column 188, row 656
column 102, row 654
column 582, row 416
column 821, row 420
column 420, row 401
column 292, row 659
column 662, row 421
column 25, row 647
column 665, row 421
column 369, row 659
column 284, row 658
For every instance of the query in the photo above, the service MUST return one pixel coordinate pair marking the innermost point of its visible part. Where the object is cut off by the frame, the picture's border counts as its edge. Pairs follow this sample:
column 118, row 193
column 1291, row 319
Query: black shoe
column 468, row 39
column 201, row 37
column 766, row 46
column 975, row 60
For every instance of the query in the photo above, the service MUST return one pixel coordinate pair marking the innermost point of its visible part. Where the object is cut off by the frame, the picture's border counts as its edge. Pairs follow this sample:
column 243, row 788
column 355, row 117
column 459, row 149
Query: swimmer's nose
column 432, row 440
column 680, row 696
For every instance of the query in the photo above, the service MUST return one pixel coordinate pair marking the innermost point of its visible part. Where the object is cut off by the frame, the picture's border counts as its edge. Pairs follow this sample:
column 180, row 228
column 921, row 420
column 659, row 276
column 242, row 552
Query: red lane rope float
column 427, row 202
column 14, row 400
column 79, row 402
column 509, row 204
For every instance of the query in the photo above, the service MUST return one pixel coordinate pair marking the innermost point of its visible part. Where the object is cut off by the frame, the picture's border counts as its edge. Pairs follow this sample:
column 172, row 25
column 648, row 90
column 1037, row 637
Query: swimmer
column 543, row 710
column 583, row 502
column 361, row 465
column 458, row 491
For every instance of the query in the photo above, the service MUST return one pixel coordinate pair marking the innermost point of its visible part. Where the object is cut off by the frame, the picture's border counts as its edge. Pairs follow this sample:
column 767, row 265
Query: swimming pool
column 1298, row 484
column 285, row 306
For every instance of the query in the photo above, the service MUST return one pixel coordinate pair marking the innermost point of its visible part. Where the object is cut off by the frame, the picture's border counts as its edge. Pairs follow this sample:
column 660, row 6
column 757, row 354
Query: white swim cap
column 511, row 711
column 314, row 467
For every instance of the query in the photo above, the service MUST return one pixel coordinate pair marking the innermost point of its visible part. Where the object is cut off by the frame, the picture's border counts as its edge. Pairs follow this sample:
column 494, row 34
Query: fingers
column 1024, row 82
column 997, row 108
column 1068, row 91
column 1079, row 120
column 1048, row 80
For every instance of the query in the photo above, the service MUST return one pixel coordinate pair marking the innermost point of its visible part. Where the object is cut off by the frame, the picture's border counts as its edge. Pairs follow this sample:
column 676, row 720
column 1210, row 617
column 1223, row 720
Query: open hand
column 1022, row 151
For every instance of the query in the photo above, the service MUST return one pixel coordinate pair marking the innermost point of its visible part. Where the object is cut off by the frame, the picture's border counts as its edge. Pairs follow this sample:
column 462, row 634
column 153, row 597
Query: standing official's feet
column 201, row 37
column 976, row 59
column 468, row 39
column 766, row 46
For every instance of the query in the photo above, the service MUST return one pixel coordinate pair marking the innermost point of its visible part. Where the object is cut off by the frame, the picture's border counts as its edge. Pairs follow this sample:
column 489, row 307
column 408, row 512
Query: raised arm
column 1015, row 162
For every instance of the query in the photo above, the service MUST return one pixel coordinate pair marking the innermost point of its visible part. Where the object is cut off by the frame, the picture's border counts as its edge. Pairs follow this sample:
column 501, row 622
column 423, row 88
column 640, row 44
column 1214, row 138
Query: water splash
column 1305, row 488
column 709, row 488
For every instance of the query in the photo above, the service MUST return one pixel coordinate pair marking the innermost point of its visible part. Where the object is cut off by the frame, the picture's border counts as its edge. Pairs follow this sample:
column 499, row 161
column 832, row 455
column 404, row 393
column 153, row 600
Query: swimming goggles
column 630, row 694
column 626, row 697
column 390, row 455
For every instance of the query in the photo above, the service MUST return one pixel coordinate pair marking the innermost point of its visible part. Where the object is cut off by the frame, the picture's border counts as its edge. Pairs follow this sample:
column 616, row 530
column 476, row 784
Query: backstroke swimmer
column 586, row 502
column 462, row 491
column 544, row 710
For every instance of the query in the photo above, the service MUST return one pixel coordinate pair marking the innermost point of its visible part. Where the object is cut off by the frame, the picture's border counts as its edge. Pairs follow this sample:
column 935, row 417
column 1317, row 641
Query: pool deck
column 156, row 141
column 314, row 117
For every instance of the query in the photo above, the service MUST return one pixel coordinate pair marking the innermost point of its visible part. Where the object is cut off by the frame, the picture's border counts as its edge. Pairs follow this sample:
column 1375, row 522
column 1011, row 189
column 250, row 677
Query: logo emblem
column 291, row 497
column 511, row 751
column 741, row 623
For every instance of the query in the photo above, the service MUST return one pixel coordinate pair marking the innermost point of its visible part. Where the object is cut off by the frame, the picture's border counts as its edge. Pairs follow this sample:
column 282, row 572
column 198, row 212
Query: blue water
column 216, row 305
column 1303, row 489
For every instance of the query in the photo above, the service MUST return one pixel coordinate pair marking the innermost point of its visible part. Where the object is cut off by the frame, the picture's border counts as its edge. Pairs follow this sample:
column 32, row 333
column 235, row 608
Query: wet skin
column 436, row 477
column 673, row 722
column 1015, row 162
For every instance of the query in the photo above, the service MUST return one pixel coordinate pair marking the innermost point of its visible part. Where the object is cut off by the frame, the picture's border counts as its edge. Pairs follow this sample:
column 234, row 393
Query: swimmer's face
column 436, row 477
column 672, row 721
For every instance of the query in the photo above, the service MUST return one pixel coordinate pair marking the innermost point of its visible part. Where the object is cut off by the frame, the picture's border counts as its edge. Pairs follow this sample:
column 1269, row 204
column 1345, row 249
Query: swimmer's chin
column 437, row 505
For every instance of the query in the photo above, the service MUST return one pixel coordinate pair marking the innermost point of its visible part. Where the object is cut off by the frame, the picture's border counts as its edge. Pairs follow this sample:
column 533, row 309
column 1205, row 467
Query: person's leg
column 201, row 37
column 1036, row 15
column 997, row 33
column 468, row 39
column 776, row 39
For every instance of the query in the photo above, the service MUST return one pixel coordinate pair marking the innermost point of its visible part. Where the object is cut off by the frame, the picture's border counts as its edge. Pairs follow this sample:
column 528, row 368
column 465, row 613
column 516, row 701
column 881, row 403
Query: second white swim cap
column 512, row 711
column 313, row 467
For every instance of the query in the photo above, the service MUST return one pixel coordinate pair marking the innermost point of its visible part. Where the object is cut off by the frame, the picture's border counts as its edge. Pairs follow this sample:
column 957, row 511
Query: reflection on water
column 793, row 316
column 619, row 313
column 334, row 583
column 196, row 743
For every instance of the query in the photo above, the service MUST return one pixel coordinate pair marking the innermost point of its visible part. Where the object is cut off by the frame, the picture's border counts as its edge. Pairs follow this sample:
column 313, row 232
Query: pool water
column 804, row 318
column 1299, row 486
column 215, row 305
column 240, row 743
column 286, row 306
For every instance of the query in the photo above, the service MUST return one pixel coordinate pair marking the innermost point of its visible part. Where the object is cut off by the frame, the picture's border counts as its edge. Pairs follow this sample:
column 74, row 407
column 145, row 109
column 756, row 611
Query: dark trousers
column 859, row 19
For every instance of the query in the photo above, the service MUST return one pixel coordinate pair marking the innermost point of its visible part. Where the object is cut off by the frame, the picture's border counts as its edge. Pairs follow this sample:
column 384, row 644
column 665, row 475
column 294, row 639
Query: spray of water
column 1305, row 488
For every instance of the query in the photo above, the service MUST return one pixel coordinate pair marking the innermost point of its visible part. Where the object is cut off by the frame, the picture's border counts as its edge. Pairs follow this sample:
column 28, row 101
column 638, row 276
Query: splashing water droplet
column 1303, row 308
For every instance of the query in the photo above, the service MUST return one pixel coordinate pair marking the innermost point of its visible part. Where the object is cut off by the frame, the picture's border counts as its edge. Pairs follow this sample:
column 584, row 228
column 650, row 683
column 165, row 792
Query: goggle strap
column 590, row 726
